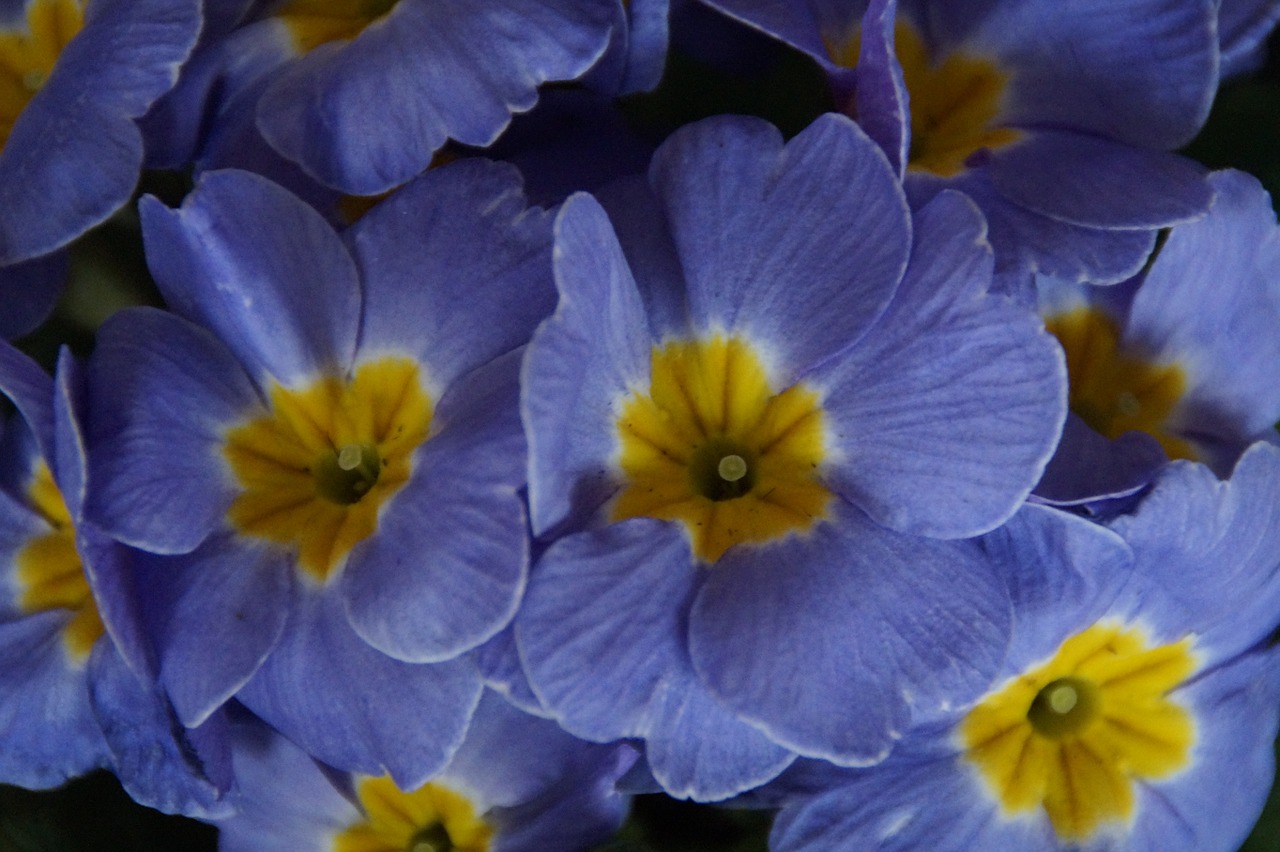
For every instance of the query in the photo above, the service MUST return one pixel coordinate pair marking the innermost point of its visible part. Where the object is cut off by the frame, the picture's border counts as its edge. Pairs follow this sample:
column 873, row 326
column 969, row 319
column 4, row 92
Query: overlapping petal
column 356, row 708
column 240, row 596
column 621, row 607
column 51, row 732
column 572, row 377
column 1096, row 182
column 832, row 598
column 946, row 412
column 466, row 230
column 625, row 610
column 1211, row 548
column 419, row 590
column 882, row 110
column 162, row 764
column 162, row 391
column 29, row 290
column 1142, row 73
column 458, row 70
column 699, row 749
column 127, row 55
column 1066, row 111
column 1087, row 467
column 1224, row 333
column 1027, row 242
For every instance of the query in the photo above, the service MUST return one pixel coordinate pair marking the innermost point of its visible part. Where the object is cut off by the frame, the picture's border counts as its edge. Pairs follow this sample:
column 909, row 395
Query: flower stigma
column 1073, row 735
column 345, row 476
column 1065, row 706
column 1060, row 697
column 316, row 470
column 732, row 468
column 713, row 446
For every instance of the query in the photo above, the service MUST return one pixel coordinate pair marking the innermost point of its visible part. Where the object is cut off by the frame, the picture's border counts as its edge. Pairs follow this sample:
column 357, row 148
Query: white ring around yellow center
column 712, row 445
column 316, row 470
column 1072, row 736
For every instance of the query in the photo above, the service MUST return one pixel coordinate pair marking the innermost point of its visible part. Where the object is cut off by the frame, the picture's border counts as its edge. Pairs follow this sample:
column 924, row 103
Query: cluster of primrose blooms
column 913, row 476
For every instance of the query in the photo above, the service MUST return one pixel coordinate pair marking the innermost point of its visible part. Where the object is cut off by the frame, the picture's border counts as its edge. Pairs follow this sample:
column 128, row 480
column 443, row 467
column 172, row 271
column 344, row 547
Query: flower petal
column 1142, row 72
column 698, row 749
column 1209, row 304
column 826, row 640
column 446, row 568
column 161, row 764
column 260, row 268
column 456, row 268
column 162, row 391
column 29, row 290
column 580, row 362
column 357, row 709
column 771, row 240
column 499, row 662
column 366, row 115
column 945, row 414
column 1087, row 467
column 51, row 735
column 1097, row 183
column 901, row 806
column 214, row 616
column 1025, row 241
column 74, row 155
column 1217, row 800
column 1212, row 548
column 880, row 90
column 600, row 630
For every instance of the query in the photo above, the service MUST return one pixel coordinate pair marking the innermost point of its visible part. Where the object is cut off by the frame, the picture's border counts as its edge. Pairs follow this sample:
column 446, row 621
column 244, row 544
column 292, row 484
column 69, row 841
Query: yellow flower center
column 713, row 446
column 432, row 818
column 27, row 56
column 50, row 573
column 955, row 104
column 313, row 22
column 1112, row 390
column 1073, row 735
column 316, row 470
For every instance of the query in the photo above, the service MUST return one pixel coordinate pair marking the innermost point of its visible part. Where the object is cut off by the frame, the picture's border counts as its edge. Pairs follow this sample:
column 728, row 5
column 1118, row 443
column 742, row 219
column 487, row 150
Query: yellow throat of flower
column 432, row 818
column 311, row 23
column 1073, row 736
column 713, row 446
column 27, row 56
column 955, row 104
column 316, row 470
column 49, row 571
column 1115, row 391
